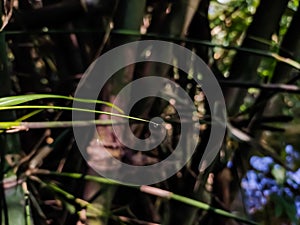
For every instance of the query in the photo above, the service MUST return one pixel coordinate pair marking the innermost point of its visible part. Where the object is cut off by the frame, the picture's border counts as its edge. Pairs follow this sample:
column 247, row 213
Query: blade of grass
column 16, row 100
column 27, row 116
column 70, row 197
column 152, row 191
column 75, row 109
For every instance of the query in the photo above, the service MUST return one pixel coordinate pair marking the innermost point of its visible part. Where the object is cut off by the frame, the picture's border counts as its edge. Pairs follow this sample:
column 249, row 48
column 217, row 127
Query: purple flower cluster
column 268, row 178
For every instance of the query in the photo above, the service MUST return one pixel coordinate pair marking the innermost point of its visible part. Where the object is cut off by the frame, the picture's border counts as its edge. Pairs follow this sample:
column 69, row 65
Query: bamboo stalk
column 126, row 32
column 9, row 144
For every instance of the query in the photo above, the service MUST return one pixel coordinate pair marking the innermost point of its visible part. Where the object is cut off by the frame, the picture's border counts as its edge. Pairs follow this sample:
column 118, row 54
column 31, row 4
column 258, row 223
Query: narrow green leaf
column 153, row 191
column 205, row 206
column 25, row 117
column 18, row 126
column 75, row 109
column 66, row 196
column 20, row 99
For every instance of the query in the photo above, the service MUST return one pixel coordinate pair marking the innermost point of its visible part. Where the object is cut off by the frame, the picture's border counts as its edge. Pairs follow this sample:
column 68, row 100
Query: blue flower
column 261, row 163
column 289, row 149
column 295, row 176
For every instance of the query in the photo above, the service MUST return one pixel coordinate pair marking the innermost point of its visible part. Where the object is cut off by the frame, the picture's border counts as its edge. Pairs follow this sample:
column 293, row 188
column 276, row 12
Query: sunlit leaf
column 279, row 173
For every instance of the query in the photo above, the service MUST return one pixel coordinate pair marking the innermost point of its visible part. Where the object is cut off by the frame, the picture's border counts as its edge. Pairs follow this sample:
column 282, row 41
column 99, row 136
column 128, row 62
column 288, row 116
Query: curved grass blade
column 20, row 99
column 76, row 109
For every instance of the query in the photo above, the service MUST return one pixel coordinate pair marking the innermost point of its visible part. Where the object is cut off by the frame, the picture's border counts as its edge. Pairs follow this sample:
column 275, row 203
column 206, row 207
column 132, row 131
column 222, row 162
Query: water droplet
column 155, row 125
column 156, row 122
